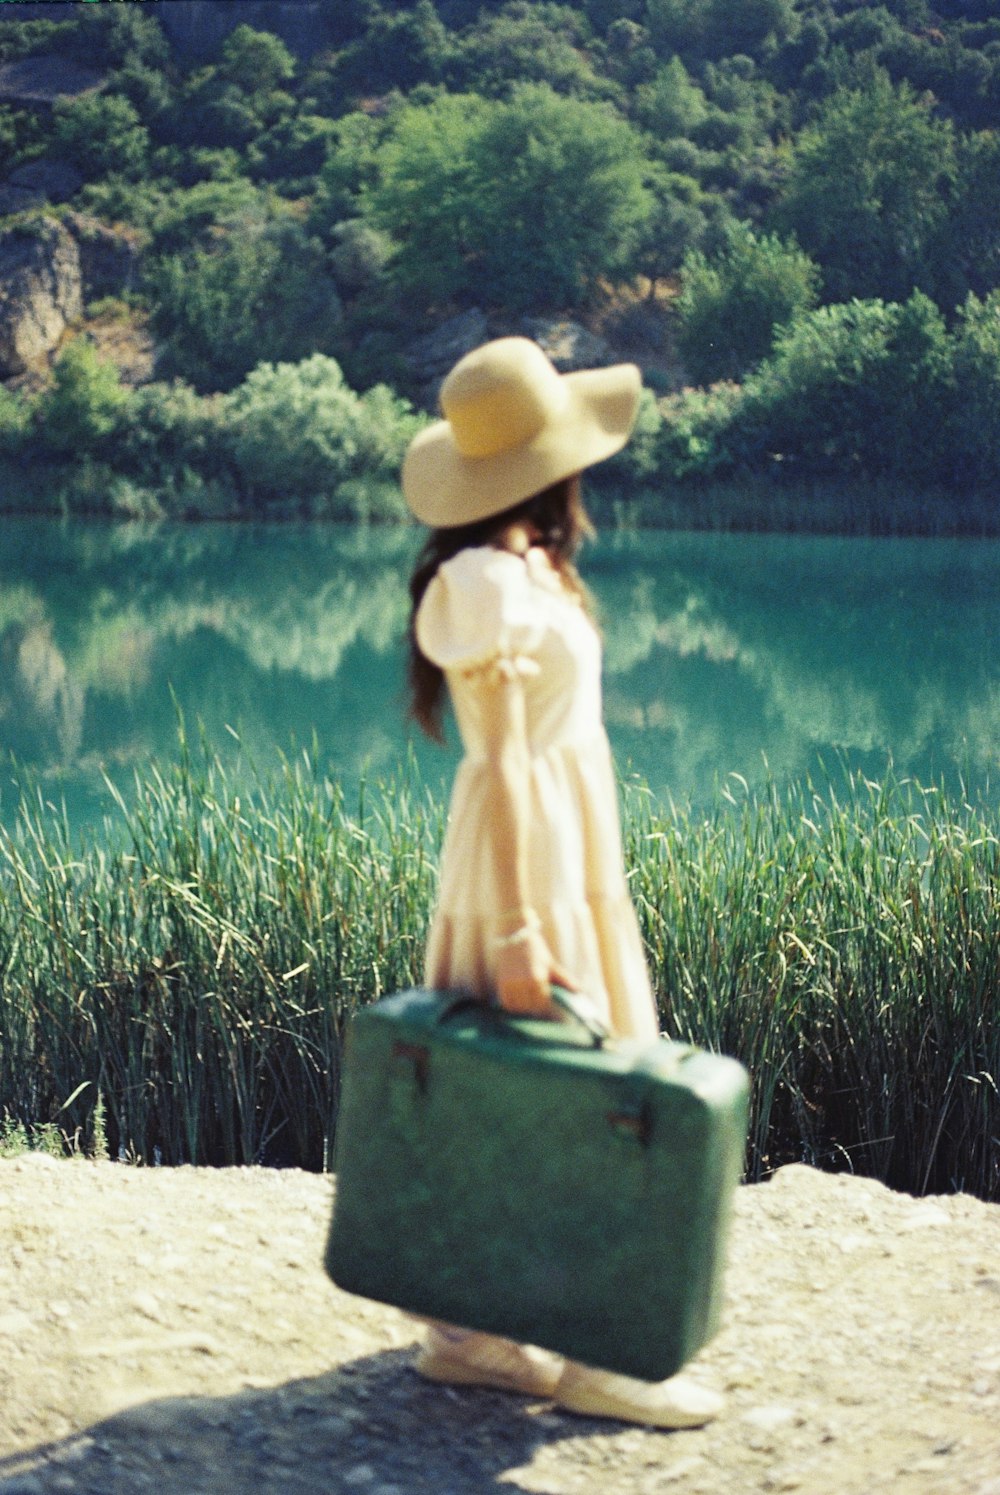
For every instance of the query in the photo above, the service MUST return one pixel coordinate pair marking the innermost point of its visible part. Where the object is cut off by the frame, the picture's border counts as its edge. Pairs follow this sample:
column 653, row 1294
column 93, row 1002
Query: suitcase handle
column 582, row 1011
column 574, row 1004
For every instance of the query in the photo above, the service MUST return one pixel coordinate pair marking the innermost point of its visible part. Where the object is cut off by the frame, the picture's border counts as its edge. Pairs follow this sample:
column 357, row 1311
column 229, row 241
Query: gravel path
column 173, row 1330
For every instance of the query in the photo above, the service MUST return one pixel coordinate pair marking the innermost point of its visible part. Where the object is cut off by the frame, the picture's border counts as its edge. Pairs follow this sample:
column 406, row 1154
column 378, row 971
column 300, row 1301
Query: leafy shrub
column 976, row 422
column 913, row 433
column 718, row 28
column 360, row 254
column 969, row 238
column 297, row 433
column 733, row 301
column 424, row 197
column 202, row 210
column 676, row 225
column 133, row 34
column 862, row 387
column 147, row 89
column 672, row 104
column 82, row 407
column 167, row 429
column 15, row 421
column 231, row 102
column 24, row 36
column 351, row 169
column 639, row 461
column 257, row 62
column 863, row 384
column 694, row 436
column 293, row 150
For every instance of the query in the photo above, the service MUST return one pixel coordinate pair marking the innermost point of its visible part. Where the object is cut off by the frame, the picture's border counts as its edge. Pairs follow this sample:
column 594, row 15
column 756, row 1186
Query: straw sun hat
column 512, row 426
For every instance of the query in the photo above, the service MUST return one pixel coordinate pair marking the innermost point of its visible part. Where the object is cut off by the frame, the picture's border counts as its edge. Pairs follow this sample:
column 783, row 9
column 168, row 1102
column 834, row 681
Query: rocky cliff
column 40, row 292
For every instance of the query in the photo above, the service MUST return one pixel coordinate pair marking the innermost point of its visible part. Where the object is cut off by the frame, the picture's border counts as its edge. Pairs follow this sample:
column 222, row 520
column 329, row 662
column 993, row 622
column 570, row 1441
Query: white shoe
column 466, row 1358
column 676, row 1403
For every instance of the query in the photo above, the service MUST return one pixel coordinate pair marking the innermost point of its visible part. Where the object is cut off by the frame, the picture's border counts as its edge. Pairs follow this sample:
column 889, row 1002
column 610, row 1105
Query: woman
column 532, row 885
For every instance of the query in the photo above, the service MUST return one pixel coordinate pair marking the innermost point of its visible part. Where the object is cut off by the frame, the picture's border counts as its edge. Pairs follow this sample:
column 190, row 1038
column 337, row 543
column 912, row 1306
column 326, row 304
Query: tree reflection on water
column 753, row 655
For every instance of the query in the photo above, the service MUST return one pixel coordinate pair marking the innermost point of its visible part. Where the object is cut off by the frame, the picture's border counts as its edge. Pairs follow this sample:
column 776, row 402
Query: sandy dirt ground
column 172, row 1330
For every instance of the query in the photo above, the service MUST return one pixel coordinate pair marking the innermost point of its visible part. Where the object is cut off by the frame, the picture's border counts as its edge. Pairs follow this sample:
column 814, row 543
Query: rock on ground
column 173, row 1330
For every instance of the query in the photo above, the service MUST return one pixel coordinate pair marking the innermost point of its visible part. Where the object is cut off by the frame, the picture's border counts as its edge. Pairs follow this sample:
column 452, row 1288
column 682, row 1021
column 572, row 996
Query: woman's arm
column 524, row 966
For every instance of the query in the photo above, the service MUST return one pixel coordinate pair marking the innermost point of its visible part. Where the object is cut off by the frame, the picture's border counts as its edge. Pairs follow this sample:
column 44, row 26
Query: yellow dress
column 486, row 610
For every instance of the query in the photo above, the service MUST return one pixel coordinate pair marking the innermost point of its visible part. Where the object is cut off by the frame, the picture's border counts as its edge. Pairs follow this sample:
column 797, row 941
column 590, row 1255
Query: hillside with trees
column 787, row 211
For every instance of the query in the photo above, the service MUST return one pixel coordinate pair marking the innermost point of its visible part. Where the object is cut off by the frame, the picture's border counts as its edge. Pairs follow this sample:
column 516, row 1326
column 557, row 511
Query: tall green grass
column 192, row 978
column 179, row 987
column 845, row 944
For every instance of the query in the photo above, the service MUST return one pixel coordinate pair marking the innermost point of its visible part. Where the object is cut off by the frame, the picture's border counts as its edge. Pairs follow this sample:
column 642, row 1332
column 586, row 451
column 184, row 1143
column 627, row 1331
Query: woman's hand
column 525, row 973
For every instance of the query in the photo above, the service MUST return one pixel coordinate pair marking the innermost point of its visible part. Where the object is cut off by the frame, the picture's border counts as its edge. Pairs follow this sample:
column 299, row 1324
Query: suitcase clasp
column 419, row 1055
column 638, row 1123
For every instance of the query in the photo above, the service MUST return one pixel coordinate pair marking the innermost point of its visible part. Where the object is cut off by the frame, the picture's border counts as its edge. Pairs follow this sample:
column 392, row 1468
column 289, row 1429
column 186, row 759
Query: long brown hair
column 556, row 513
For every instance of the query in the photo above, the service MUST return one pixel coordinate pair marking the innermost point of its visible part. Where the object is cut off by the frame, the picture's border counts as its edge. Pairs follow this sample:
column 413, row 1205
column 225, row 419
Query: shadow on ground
column 370, row 1427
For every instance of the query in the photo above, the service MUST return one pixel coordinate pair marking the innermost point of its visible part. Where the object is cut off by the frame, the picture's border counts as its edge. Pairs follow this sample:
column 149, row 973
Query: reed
column 178, row 987
column 769, row 503
column 181, row 984
column 845, row 944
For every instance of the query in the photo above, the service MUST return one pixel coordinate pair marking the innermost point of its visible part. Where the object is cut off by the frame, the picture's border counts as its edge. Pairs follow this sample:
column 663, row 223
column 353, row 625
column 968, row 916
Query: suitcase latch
column 419, row 1055
column 638, row 1123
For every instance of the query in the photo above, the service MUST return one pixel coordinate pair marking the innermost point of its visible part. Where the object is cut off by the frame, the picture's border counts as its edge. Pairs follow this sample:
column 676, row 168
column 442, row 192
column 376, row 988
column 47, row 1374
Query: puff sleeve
column 478, row 616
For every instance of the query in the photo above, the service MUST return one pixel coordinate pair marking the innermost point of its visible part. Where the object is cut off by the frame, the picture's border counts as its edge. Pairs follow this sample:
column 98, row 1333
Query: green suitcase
column 531, row 1179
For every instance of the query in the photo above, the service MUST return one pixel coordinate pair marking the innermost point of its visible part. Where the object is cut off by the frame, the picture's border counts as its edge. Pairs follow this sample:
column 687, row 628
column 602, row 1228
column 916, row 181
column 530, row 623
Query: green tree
column 562, row 198
column 259, row 293
column 911, row 436
column 205, row 213
column 9, row 141
column 352, row 167
column 672, row 104
column 542, row 43
column 147, row 89
column 255, row 62
column 676, row 26
column 133, row 35
column 293, row 151
column 16, row 413
column 868, row 186
column 170, row 430
column 603, row 14
column 398, row 49
column 719, row 28
column 968, row 242
column 424, row 197
column 521, row 203
column 747, row 28
column 732, row 302
column 231, row 102
column 677, row 224
column 102, row 135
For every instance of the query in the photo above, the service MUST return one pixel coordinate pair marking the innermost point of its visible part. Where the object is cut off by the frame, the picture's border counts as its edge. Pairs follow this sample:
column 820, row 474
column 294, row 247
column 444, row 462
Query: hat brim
column 445, row 488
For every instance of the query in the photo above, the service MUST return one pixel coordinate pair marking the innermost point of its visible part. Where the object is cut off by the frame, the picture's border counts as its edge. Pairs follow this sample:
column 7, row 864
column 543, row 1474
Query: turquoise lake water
column 757, row 656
